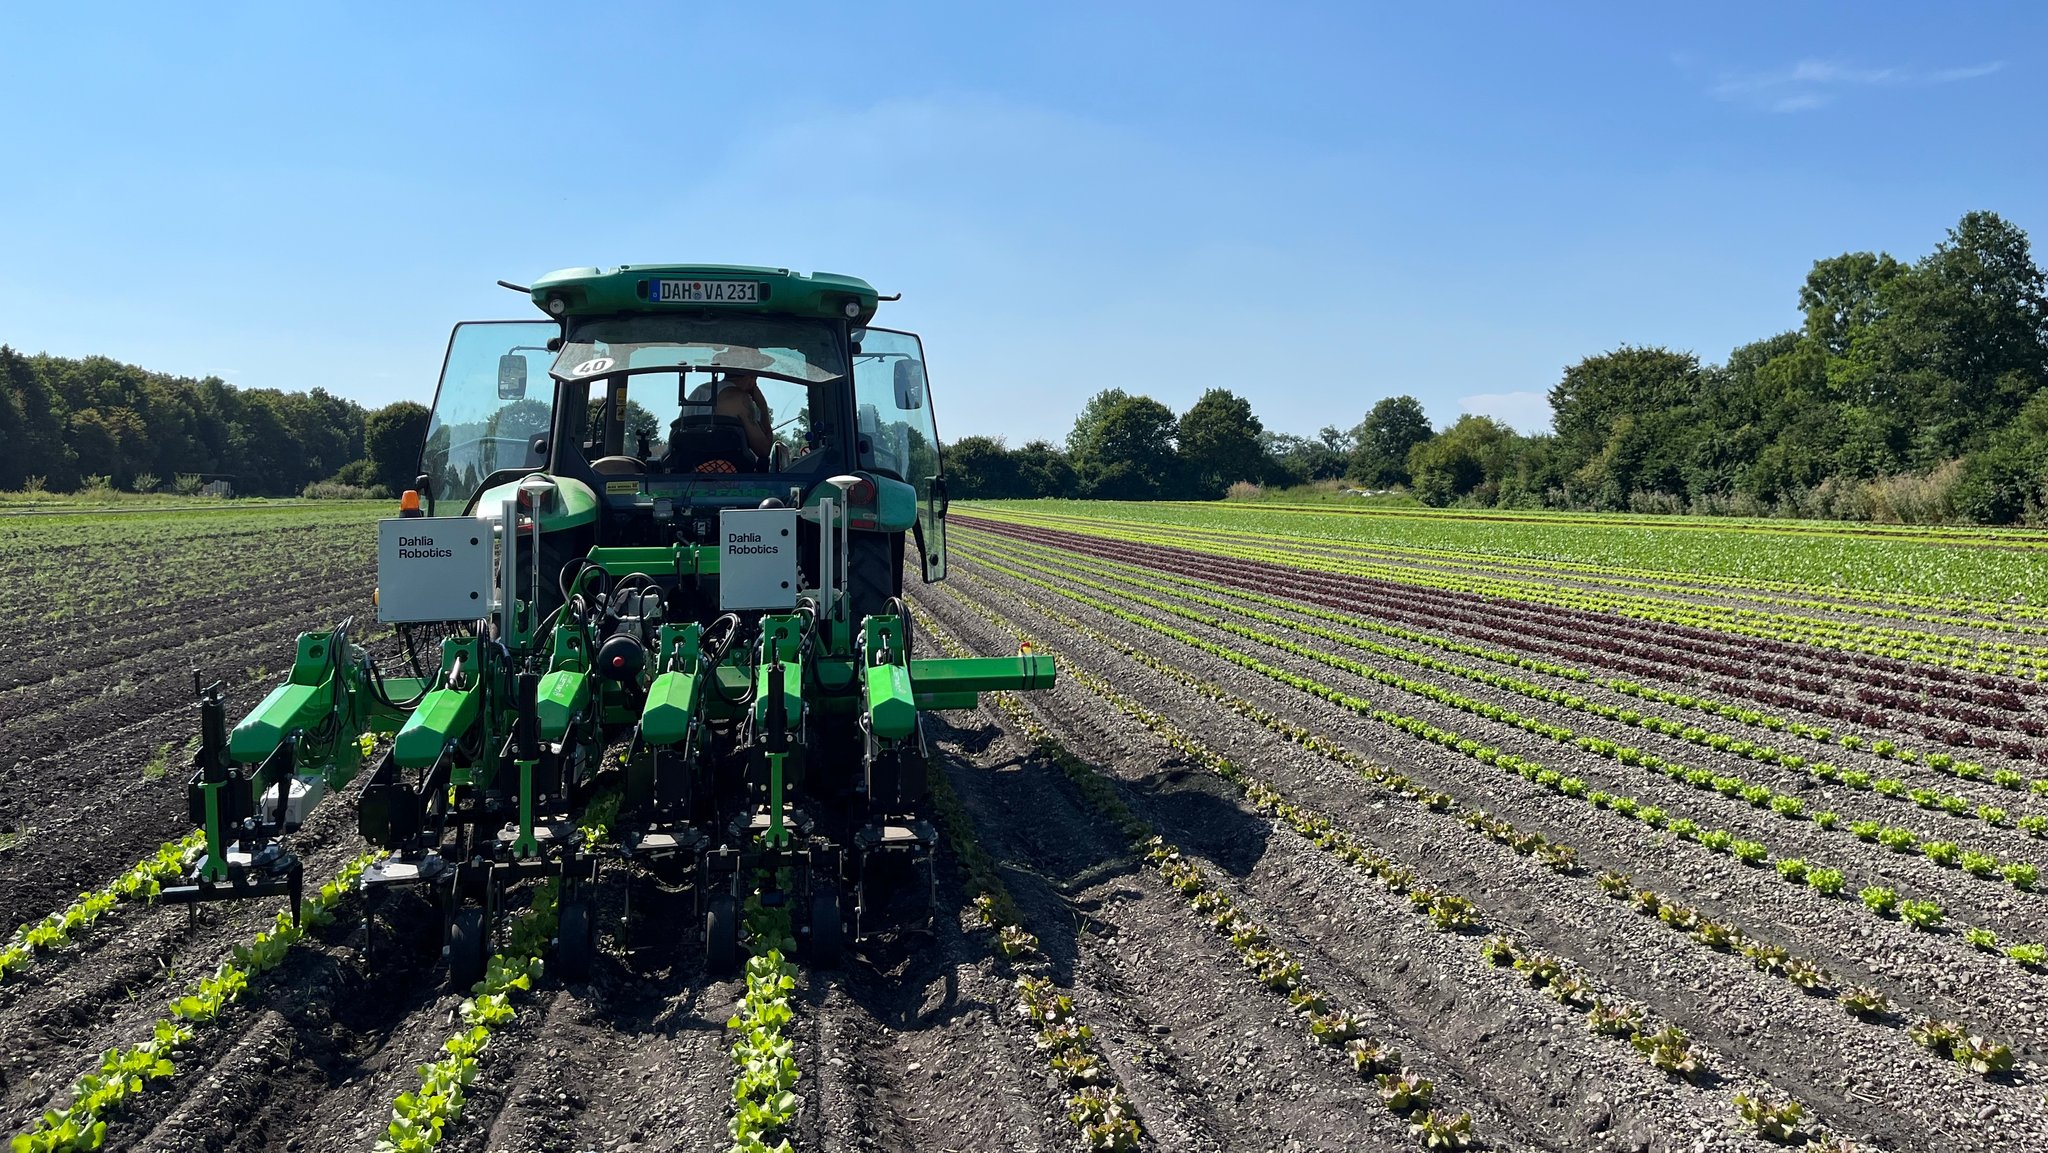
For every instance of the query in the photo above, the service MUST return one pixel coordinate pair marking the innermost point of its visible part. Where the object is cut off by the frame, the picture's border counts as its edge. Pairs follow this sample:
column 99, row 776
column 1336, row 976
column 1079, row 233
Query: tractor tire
column 874, row 572
column 576, row 942
column 828, row 932
column 469, row 949
column 721, row 935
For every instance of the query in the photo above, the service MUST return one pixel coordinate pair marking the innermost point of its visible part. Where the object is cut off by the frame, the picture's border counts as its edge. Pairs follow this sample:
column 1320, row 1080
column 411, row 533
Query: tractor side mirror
column 909, row 384
column 511, row 377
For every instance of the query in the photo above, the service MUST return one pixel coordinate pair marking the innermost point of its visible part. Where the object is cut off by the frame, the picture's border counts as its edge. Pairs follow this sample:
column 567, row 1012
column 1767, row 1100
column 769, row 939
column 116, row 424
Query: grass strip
column 123, row 1073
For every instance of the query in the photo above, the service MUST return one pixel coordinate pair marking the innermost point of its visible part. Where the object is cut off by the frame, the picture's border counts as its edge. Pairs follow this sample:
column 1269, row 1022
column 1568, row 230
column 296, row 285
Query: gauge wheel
column 576, row 942
column 721, row 935
column 828, row 933
column 469, row 949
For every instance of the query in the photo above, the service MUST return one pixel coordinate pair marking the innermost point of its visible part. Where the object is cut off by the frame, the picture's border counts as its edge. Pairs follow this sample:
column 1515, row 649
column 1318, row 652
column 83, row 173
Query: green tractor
column 648, row 595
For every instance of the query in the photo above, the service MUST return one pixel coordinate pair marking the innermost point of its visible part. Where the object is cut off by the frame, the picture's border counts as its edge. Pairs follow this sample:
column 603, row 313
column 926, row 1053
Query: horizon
column 1069, row 199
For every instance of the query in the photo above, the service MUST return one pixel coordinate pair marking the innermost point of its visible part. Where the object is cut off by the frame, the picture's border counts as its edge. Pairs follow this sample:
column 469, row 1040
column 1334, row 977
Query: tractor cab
column 657, row 396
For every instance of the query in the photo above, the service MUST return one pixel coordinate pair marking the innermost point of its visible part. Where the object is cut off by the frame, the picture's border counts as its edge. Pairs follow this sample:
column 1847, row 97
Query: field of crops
column 1380, row 831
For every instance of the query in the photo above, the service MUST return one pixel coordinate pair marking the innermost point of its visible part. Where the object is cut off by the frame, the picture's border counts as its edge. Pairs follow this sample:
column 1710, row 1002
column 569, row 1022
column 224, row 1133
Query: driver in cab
column 735, row 395
column 739, row 394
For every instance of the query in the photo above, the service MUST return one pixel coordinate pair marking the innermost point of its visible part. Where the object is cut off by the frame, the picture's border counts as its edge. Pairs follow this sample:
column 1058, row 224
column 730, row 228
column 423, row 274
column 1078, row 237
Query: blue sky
column 1314, row 205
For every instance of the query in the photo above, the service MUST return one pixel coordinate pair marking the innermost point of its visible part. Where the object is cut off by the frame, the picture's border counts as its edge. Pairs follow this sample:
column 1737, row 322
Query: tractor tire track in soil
column 1865, row 1077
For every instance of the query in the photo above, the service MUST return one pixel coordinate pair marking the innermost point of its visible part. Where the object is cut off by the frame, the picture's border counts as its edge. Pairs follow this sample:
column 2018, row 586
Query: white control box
column 757, row 562
column 434, row 568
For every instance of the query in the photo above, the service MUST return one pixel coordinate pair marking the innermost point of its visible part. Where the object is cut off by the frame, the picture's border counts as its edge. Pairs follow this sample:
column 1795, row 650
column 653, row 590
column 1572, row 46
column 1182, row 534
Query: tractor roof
column 660, row 287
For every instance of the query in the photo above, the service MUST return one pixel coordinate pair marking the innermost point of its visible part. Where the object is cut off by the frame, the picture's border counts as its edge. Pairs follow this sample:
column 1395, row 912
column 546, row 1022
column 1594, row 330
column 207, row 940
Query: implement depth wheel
column 721, row 934
column 469, row 949
column 828, row 936
column 575, row 942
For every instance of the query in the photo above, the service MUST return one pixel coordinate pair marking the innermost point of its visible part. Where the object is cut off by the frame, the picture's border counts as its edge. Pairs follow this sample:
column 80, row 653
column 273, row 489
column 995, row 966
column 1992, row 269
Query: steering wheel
column 618, row 465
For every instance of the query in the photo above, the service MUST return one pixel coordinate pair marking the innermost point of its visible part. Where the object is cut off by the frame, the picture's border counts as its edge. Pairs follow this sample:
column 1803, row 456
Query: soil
column 913, row 1041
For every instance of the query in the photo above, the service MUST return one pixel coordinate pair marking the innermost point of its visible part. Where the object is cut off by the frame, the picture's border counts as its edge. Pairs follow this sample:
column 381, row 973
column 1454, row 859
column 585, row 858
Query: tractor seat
column 713, row 443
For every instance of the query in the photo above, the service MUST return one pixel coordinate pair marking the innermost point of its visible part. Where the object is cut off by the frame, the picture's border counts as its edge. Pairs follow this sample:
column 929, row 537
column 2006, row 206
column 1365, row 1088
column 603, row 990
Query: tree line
column 1912, row 391
column 70, row 423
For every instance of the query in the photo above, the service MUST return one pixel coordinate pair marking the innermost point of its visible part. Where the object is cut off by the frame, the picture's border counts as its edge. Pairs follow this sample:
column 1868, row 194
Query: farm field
column 1341, row 830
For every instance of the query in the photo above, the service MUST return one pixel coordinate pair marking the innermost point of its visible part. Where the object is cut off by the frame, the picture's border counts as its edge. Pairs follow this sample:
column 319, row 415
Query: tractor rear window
column 805, row 349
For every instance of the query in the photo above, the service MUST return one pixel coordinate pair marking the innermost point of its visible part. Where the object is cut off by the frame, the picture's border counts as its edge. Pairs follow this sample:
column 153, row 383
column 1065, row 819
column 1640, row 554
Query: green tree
column 393, row 437
column 1841, row 296
column 1044, row 471
column 981, row 466
column 1088, row 424
column 1219, row 442
column 1629, row 381
column 1395, row 425
column 1131, row 455
column 2008, row 480
column 1469, row 458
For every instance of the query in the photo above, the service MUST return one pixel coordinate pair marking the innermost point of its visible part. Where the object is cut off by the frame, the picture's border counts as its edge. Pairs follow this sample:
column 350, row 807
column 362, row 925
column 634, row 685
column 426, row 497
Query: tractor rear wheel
column 575, row 941
column 469, row 949
column 874, row 571
column 721, row 934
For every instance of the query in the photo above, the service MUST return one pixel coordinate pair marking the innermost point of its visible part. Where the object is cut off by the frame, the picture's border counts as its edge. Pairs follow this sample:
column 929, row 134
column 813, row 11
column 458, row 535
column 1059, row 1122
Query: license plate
column 707, row 292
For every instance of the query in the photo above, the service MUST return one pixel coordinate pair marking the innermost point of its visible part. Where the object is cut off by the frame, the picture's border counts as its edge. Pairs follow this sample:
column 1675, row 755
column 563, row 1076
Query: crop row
column 123, row 1073
column 1945, row 1038
column 421, row 1117
column 1328, row 606
column 1182, row 587
column 2022, row 875
column 1402, row 1090
column 1714, row 839
column 1898, row 644
column 1392, row 591
column 1800, row 594
column 1666, row 1048
column 1096, row 1104
column 140, row 882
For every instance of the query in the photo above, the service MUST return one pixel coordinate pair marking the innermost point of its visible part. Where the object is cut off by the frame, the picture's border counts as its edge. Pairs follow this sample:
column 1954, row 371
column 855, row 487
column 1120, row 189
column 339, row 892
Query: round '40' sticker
column 594, row 366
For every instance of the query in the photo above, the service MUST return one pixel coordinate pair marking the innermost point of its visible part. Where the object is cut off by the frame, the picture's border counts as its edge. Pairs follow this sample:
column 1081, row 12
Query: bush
column 334, row 490
column 187, row 484
column 1244, row 490
column 144, row 482
column 97, row 483
column 357, row 474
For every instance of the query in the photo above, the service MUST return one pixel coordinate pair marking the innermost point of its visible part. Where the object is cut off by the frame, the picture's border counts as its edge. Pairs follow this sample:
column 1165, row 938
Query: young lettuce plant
column 1776, row 1121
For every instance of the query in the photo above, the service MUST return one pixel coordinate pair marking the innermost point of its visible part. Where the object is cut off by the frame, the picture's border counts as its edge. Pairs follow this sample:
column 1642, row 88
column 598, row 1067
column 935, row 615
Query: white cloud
column 1814, row 83
column 1525, row 412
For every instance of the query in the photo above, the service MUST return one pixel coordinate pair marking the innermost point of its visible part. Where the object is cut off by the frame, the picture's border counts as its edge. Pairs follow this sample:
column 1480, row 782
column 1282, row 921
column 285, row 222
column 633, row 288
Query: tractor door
column 899, row 435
